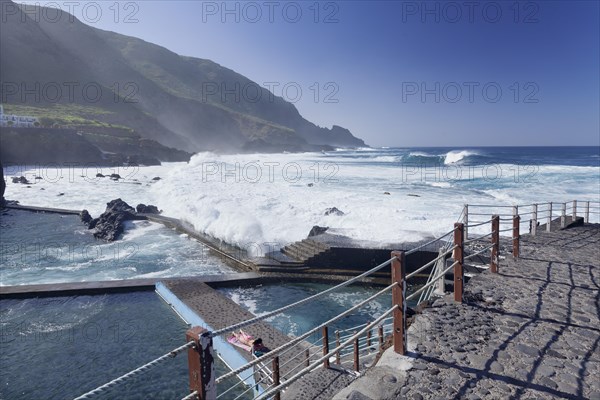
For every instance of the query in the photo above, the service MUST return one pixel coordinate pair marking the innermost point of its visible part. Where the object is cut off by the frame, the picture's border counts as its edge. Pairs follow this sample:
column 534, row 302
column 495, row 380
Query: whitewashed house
column 18, row 121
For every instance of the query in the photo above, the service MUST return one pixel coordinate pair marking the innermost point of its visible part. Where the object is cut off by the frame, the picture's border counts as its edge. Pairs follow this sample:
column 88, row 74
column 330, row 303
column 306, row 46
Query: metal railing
column 349, row 345
column 532, row 215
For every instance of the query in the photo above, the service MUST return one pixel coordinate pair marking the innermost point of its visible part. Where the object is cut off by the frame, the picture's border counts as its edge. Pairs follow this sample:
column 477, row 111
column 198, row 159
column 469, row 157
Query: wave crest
column 456, row 156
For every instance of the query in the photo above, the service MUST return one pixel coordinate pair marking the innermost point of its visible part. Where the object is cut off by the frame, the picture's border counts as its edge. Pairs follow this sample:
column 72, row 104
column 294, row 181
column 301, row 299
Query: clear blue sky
column 380, row 55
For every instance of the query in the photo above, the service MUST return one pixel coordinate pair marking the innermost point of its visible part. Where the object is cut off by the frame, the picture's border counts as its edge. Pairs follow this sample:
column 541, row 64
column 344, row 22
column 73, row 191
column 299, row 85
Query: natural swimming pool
column 50, row 248
column 62, row 347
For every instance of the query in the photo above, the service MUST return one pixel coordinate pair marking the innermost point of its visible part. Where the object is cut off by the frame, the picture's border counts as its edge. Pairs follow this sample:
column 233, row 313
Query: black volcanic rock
column 20, row 179
column 109, row 226
column 46, row 146
column 2, row 185
column 147, row 209
column 140, row 159
column 317, row 230
column 54, row 145
column 334, row 211
column 86, row 218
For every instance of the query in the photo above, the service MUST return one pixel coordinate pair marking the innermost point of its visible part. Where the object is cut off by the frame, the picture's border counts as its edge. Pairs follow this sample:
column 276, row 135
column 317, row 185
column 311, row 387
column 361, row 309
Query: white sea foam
column 456, row 156
column 420, row 154
column 246, row 297
column 278, row 198
column 385, row 159
column 441, row 184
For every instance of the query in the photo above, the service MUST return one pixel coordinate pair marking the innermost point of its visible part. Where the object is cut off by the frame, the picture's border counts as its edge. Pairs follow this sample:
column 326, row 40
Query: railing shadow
column 528, row 383
column 578, row 236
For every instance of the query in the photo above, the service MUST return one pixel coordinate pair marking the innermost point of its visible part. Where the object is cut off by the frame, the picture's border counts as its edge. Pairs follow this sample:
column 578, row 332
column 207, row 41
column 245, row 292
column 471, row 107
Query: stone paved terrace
column 530, row 332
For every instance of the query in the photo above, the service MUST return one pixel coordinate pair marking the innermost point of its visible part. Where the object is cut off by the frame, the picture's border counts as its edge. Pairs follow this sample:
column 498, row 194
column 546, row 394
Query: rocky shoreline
column 68, row 146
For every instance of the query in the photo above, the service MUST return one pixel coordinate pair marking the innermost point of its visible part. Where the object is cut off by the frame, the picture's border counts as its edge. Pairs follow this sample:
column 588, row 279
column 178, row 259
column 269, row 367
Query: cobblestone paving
column 318, row 385
column 530, row 332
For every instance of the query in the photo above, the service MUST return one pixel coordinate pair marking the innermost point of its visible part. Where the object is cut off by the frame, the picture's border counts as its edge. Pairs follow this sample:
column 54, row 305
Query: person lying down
column 248, row 343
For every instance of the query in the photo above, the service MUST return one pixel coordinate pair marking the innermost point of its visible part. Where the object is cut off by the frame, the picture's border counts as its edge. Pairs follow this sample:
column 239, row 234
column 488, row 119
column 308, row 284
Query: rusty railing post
column 441, row 283
column 398, row 296
column 307, row 355
column 380, row 334
column 534, row 221
column 368, row 337
column 356, row 356
column 276, row 382
column 549, row 224
column 574, row 210
column 496, row 244
column 325, row 347
column 201, row 363
column 466, row 220
column 458, row 259
column 563, row 216
column 586, row 216
column 337, row 344
column 516, row 235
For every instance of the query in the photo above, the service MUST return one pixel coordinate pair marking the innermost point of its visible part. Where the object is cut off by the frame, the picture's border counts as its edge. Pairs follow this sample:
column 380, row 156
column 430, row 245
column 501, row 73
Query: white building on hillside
column 18, row 121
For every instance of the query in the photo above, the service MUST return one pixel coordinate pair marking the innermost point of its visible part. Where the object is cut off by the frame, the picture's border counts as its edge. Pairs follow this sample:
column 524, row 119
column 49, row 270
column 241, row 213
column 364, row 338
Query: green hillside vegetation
column 71, row 115
column 148, row 90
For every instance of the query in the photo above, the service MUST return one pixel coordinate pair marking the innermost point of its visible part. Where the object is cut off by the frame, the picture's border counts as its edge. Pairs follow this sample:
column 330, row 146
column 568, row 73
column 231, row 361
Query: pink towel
column 234, row 341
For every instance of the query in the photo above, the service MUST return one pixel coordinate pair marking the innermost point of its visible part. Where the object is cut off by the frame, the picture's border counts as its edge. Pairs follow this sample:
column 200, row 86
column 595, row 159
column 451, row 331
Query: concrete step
column 297, row 253
column 292, row 264
column 309, row 247
column 276, row 258
column 304, row 250
column 281, row 268
column 317, row 244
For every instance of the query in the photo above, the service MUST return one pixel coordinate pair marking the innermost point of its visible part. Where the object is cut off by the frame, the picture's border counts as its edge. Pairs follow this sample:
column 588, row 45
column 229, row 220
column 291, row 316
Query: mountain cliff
column 90, row 77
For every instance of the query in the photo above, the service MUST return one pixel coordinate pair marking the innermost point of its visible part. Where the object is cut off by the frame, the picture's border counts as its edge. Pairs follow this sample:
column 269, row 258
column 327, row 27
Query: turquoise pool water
column 264, row 298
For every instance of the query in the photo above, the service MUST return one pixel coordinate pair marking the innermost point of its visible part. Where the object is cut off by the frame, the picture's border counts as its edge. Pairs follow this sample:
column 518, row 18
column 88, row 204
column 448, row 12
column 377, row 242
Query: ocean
column 387, row 195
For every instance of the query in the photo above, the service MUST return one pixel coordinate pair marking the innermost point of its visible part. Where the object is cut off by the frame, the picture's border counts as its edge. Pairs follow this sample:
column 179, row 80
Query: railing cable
column 135, row 372
column 303, row 336
column 433, row 281
column 479, row 252
column 251, row 321
column 430, row 263
column 414, row 250
column 191, row 396
column 268, row 393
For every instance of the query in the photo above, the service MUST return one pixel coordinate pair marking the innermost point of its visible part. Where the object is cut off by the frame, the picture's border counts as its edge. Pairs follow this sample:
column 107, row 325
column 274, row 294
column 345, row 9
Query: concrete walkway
column 530, row 332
